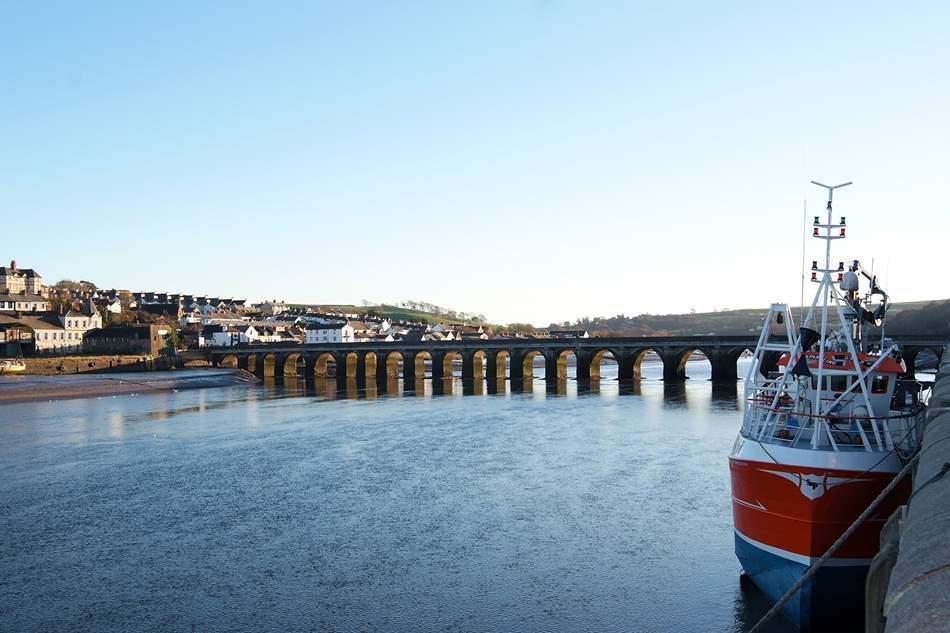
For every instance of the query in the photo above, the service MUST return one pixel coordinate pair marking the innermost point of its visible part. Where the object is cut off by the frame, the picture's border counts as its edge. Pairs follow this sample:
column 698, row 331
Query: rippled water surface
column 270, row 508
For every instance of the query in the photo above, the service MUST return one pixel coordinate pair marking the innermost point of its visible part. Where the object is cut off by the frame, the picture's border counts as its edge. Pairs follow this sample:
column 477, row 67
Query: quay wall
column 917, row 596
column 95, row 364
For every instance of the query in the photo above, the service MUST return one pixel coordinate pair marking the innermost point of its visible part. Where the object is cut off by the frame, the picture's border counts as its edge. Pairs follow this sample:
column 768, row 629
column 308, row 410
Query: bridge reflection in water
column 675, row 393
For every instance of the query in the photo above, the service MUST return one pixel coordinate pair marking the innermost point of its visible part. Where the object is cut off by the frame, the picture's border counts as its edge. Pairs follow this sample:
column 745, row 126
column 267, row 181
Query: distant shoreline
column 31, row 388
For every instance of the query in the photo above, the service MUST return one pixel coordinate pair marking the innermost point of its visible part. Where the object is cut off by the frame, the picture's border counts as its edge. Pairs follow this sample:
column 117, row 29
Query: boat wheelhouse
column 822, row 435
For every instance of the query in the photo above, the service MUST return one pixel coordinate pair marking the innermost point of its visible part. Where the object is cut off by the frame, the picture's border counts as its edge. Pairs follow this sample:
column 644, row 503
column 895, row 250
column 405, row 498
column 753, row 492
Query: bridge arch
column 730, row 359
column 394, row 364
column 229, row 361
column 323, row 364
column 295, row 364
column 502, row 358
column 598, row 359
column 370, row 363
column 675, row 364
column 448, row 363
column 527, row 364
column 563, row 364
column 646, row 354
column 479, row 365
column 420, row 364
column 269, row 363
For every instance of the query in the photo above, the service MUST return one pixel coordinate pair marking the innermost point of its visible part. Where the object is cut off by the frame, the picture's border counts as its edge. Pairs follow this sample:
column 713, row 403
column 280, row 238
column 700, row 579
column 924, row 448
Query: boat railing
column 791, row 425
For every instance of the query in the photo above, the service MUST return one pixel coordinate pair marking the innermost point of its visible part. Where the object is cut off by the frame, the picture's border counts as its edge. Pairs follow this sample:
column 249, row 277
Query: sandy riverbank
column 27, row 388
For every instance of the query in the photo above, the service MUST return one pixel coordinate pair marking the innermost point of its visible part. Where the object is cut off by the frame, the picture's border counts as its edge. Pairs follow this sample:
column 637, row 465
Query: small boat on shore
column 821, row 438
column 12, row 366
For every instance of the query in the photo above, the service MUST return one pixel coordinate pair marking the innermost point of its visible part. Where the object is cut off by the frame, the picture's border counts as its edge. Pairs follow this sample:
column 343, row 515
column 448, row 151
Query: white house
column 330, row 333
column 271, row 333
column 75, row 324
column 228, row 335
column 23, row 302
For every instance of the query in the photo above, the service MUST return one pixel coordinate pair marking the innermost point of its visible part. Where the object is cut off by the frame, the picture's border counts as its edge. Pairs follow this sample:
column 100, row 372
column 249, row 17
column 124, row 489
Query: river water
column 283, row 508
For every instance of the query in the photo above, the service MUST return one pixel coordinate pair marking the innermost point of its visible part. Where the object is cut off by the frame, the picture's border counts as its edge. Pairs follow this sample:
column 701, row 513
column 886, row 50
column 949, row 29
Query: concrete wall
column 50, row 365
column 917, row 598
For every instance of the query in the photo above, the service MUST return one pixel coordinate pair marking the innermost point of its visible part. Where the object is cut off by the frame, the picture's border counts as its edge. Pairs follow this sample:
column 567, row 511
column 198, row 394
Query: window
column 879, row 384
column 838, row 383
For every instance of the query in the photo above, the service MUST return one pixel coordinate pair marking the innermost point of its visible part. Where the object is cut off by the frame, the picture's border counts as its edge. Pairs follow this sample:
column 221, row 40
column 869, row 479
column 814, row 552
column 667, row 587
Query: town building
column 338, row 332
column 170, row 309
column 23, row 302
column 15, row 280
column 273, row 308
column 37, row 334
column 146, row 339
column 16, row 339
column 227, row 335
column 76, row 323
column 568, row 333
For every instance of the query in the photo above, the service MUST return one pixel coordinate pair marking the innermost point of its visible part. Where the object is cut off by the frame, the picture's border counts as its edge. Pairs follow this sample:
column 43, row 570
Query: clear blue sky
column 534, row 161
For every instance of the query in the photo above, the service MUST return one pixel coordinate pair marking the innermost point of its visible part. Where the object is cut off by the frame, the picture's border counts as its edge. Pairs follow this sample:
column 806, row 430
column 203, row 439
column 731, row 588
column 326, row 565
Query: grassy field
column 390, row 312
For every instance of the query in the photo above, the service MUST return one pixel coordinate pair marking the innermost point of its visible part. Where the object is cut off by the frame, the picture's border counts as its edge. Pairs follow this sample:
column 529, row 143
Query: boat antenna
column 801, row 299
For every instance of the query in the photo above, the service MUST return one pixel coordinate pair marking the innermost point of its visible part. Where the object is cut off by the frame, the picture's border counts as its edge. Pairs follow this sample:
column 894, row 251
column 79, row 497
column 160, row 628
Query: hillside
column 394, row 313
column 918, row 317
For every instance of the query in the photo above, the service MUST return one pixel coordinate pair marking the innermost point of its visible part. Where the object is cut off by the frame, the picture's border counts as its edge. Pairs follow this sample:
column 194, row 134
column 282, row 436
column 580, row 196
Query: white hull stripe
column 755, row 506
column 804, row 560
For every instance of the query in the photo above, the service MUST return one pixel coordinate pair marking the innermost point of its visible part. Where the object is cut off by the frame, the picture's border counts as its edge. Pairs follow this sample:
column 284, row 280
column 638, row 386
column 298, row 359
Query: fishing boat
column 12, row 366
column 824, row 430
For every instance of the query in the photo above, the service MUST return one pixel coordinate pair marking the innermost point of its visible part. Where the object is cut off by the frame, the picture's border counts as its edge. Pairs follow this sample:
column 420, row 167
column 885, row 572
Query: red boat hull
column 786, row 516
column 803, row 510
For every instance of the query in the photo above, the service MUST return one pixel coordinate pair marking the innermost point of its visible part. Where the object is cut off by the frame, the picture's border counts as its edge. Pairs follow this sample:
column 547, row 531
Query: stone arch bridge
column 506, row 358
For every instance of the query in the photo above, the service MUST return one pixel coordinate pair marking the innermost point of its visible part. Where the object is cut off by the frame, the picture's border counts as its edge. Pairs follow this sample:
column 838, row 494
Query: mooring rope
column 836, row 545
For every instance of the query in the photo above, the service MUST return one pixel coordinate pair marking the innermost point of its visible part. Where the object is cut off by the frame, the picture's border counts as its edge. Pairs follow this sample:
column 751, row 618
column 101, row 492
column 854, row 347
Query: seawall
column 917, row 539
column 92, row 364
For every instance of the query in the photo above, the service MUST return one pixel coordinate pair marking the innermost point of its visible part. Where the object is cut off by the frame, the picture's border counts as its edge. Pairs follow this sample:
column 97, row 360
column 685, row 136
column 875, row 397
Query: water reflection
column 750, row 604
column 570, row 506
column 674, row 393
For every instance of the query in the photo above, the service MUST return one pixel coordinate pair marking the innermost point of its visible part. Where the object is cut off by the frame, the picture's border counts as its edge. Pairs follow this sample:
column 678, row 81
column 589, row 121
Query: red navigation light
column 815, row 233
column 840, row 276
column 814, row 276
column 842, row 231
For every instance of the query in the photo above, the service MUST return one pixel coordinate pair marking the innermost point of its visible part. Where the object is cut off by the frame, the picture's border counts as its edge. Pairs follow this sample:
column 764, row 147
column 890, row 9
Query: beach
column 35, row 388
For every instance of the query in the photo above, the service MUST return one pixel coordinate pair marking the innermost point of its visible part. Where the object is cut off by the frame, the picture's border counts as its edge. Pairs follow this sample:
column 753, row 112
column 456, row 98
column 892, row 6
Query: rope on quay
column 836, row 545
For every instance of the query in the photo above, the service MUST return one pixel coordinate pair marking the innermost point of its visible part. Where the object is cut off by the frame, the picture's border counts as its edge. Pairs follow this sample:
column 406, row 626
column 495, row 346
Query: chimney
column 13, row 264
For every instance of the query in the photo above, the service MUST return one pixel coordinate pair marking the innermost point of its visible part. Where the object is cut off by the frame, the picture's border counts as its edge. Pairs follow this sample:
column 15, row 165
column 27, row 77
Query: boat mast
column 825, row 286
